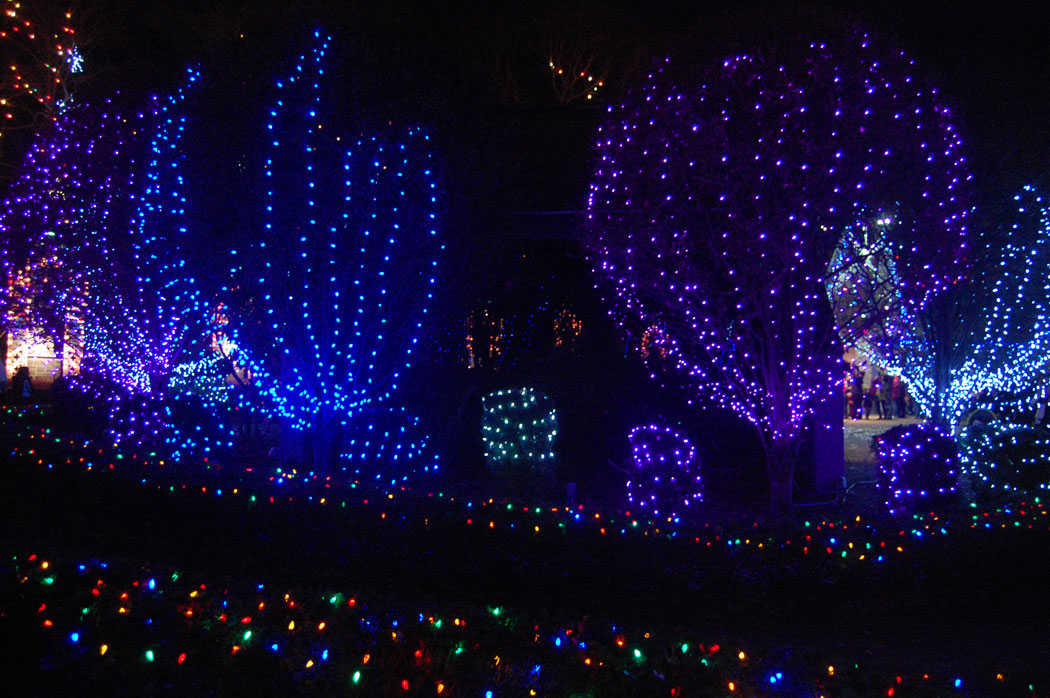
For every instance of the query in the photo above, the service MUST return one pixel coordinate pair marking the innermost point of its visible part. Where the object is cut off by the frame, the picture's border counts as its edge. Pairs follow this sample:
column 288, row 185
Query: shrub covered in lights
column 156, row 424
column 1003, row 458
column 665, row 479
column 918, row 466
column 205, row 378
column 519, row 428
column 385, row 446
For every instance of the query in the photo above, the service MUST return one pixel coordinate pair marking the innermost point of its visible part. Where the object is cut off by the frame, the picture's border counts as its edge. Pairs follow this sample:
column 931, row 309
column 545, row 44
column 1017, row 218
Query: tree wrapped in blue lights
column 717, row 204
column 344, row 267
column 665, row 479
column 986, row 335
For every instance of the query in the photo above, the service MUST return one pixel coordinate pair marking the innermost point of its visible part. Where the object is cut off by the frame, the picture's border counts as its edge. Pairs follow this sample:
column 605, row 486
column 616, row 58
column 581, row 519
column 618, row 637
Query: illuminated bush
column 1007, row 457
column 205, row 378
column 664, row 479
column 160, row 424
column 917, row 464
column 385, row 447
column 518, row 426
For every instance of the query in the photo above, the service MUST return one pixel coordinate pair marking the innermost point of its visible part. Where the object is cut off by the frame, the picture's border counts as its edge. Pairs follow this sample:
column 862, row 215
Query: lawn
column 122, row 576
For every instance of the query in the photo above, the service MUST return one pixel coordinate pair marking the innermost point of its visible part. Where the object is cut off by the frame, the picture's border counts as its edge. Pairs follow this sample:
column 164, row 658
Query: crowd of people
column 868, row 394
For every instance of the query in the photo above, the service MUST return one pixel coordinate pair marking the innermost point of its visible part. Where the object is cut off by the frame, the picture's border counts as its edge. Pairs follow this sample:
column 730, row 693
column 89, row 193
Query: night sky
column 445, row 63
column 518, row 163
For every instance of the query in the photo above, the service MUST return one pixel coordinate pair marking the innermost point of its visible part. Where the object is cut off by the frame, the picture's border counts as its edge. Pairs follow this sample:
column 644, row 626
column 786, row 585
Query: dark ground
column 962, row 602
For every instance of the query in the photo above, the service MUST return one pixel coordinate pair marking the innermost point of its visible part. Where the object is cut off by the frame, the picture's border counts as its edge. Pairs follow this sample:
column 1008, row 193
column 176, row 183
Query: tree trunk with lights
column 718, row 201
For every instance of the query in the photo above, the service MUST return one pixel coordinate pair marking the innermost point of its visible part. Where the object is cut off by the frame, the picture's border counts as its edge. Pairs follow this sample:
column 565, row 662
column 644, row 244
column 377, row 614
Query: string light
column 485, row 338
column 41, row 62
column 417, row 652
column 665, row 480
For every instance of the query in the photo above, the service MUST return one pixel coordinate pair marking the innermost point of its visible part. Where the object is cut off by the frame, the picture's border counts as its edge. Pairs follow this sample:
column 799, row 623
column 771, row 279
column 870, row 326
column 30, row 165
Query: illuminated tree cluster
column 665, row 480
column 344, row 267
column 97, row 235
column 100, row 211
column 718, row 201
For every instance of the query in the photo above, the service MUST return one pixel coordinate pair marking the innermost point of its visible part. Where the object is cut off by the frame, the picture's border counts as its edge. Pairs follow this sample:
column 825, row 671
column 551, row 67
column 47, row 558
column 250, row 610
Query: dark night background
column 471, row 71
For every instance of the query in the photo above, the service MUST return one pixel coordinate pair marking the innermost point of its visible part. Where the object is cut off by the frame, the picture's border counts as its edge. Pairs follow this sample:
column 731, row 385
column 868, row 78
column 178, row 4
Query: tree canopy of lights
column 42, row 61
column 983, row 339
column 519, row 427
column 146, row 308
column 146, row 314
column 344, row 268
column 665, row 479
column 718, row 200
column 70, row 195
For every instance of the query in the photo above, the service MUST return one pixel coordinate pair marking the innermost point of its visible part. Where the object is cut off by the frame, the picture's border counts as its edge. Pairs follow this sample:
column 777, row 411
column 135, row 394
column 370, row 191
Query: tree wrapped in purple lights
column 665, row 480
column 344, row 268
column 717, row 204
column 70, row 195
